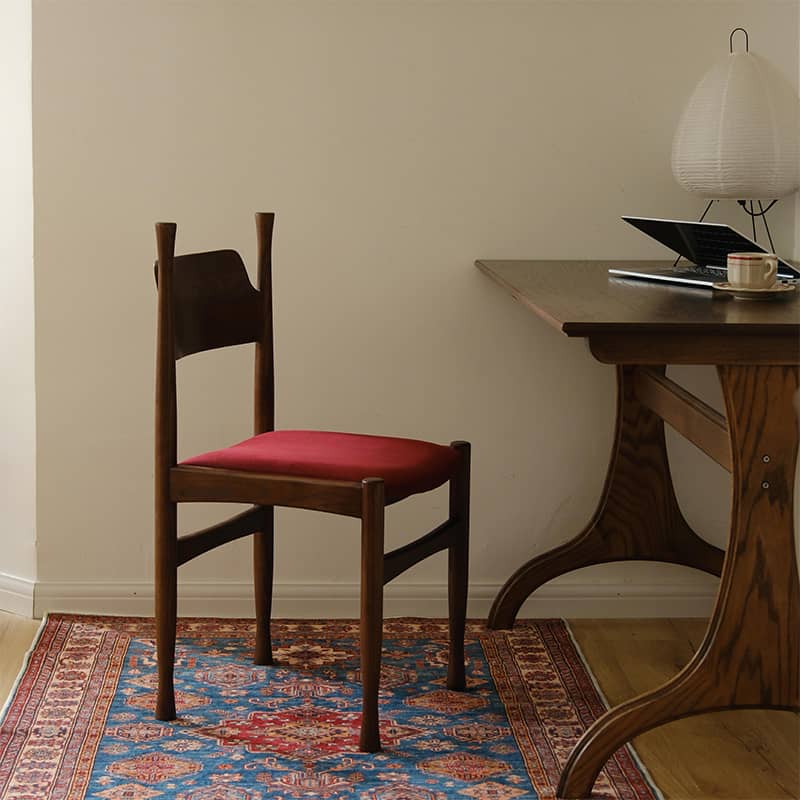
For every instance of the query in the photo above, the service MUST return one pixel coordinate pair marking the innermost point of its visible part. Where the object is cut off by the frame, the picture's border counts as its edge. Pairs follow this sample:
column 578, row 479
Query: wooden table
column 750, row 657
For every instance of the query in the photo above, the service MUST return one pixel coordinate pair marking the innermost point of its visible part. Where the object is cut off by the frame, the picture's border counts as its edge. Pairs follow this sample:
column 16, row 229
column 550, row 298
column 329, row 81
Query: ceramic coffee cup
column 752, row 270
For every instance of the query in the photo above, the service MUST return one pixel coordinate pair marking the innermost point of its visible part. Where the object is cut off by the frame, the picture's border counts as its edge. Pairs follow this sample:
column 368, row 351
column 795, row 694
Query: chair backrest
column 206, row 301
column 213, row 303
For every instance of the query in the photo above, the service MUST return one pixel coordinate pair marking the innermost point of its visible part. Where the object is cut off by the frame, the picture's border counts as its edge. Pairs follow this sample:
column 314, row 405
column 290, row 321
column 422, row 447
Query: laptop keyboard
column 715, row 246
column 714, row 273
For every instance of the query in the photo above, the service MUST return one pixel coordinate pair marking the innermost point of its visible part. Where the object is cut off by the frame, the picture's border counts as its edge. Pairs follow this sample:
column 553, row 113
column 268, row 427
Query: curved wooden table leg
column 638, row 517
column 750, row 657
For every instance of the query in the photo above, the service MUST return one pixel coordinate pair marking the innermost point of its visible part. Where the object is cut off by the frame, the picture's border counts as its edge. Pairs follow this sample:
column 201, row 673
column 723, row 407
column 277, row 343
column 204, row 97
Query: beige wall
column 17, row 394
column 397, row 142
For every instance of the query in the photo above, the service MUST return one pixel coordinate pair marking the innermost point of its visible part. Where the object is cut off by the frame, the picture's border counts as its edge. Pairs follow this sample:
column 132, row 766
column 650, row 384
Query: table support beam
column 688, row 415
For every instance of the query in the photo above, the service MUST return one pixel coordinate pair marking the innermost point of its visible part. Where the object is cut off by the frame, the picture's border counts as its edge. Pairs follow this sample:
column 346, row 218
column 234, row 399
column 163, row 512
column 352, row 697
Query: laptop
column 705, row 245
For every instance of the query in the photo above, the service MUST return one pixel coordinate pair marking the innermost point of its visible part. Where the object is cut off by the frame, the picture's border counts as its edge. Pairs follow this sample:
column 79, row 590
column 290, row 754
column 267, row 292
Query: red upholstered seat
column 407, row 466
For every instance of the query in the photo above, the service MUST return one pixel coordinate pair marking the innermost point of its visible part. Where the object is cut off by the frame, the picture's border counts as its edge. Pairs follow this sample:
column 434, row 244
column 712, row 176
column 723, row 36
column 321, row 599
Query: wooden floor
column 742, row 755
column 738, row 755
column 16, row 635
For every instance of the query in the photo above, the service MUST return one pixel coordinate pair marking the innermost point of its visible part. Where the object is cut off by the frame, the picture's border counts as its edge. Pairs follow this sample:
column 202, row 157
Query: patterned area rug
column 80, row 722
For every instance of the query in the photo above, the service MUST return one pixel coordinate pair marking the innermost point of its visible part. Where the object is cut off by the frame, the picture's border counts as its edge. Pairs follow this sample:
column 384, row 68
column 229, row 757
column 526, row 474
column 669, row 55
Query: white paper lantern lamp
column 739, row 136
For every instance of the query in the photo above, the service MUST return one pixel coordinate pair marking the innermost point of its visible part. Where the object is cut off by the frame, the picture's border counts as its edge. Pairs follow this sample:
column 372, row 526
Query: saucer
column 745, row 293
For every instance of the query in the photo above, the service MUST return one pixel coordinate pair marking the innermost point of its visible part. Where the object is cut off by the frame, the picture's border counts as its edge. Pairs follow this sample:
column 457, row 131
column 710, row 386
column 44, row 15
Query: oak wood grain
column 206, row 301
column 637, row 518
column 750, row 657
column 166, row 455
column 458, row 566
column 371, row 622
column 691, row 417
column 194, row 544
column 402, row 558
column 213, row 302
column 580, row 298
column 743, row 754
column 686, row 348
column 16, row 635
column 191, row 484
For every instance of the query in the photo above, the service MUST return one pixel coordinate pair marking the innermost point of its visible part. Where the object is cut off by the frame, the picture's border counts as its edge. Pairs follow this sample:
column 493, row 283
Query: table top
column 580, row 298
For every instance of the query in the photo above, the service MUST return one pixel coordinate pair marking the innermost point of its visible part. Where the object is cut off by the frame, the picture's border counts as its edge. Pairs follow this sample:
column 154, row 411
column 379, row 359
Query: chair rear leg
column 263, row 561
column 458, row 568
column 166, row 606
column 372, row 518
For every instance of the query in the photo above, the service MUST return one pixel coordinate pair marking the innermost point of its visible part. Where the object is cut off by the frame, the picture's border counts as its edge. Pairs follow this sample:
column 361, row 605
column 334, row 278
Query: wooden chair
column 206, row 301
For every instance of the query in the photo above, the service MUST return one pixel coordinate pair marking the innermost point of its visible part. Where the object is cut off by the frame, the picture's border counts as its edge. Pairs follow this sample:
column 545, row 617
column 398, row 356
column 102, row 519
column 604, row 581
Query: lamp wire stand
column 766, row 227
column 762, row 212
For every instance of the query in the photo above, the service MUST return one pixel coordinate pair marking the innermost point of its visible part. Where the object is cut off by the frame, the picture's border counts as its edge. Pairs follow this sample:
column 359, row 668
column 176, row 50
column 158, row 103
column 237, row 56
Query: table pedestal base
column 750, row 657
column 638, row 518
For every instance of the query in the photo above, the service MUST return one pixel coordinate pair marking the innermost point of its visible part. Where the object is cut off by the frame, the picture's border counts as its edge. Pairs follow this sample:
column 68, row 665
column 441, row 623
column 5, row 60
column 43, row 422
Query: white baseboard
column 561, row 598
column 16, row 595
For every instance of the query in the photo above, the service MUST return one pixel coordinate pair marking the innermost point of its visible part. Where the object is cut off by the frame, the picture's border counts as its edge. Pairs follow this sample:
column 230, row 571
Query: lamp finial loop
column 746, row 39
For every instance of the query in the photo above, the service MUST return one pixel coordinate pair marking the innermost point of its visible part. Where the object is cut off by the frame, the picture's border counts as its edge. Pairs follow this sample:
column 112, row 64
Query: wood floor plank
column 739, row 755
column 16, row 636
column 736, row 755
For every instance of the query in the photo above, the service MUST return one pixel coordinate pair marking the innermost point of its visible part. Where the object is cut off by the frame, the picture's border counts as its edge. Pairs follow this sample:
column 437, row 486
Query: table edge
column 586, row 329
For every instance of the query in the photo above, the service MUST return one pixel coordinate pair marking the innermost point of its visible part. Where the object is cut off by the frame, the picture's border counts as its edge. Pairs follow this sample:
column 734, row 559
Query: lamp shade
column 739, row 135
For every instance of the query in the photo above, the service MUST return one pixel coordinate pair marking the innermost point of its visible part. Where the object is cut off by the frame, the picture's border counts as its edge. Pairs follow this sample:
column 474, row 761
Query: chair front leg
column 166, row 606
column 372, row 525
column 458, row 567
column 263, row 561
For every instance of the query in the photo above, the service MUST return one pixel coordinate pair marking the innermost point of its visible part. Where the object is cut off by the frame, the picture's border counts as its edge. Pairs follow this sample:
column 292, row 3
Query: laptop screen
column 705, row 244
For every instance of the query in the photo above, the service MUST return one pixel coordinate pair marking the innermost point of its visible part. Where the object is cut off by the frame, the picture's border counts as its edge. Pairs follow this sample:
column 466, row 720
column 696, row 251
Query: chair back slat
column 213, row 303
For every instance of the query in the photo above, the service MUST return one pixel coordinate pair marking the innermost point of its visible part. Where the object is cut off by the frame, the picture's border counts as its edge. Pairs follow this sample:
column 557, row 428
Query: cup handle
column 772, row 270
